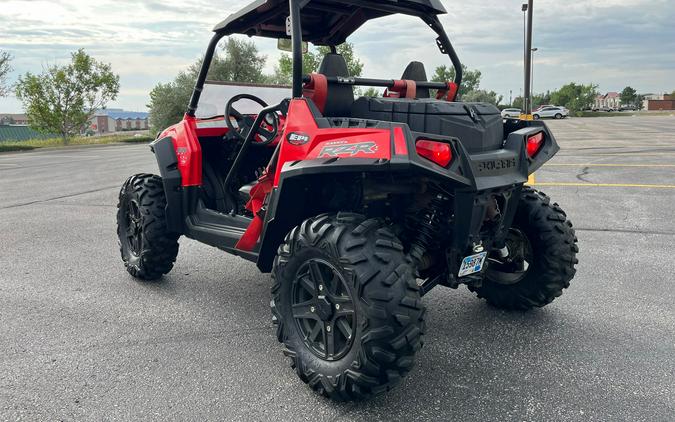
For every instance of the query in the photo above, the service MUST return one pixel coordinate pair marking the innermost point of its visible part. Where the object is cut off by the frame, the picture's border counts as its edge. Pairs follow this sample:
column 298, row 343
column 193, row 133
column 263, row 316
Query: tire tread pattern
column 390, row 311
column 160, row 247
column 555, row 246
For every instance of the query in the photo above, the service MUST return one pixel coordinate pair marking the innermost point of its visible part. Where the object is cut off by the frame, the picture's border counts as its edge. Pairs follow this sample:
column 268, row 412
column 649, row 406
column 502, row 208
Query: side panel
column 304, row 140
column 188, row 150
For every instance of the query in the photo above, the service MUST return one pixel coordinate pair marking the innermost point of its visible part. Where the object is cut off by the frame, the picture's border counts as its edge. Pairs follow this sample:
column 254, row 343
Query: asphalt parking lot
column 82, row 340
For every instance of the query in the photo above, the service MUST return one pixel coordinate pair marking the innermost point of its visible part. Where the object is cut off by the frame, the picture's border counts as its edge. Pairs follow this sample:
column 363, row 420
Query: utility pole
column 534, row 50
column 528, row 59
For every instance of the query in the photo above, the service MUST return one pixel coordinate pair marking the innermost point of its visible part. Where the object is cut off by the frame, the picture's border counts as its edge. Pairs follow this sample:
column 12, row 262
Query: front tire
column 369, row 317
column 536, row 117
column 549, row 249
column 148, row 249
column 558, row 116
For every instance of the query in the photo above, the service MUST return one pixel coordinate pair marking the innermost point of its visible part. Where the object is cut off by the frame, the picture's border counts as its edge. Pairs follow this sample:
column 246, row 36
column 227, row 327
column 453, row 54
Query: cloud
column 613, row 43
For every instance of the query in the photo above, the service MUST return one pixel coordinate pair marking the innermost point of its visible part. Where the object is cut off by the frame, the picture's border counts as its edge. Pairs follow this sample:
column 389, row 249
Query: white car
column 552, row 112
column 511, row 113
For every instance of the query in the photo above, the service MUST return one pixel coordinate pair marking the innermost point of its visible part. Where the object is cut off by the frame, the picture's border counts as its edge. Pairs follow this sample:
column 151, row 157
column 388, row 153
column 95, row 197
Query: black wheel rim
column 134, row 229
column 513, row 268
column 323, row 309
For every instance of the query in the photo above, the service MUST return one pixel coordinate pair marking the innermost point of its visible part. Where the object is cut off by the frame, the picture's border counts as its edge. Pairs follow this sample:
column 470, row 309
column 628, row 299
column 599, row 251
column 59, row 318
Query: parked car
column 551, row 112
column 628, row 108
column 543, row 106
column 511, row 113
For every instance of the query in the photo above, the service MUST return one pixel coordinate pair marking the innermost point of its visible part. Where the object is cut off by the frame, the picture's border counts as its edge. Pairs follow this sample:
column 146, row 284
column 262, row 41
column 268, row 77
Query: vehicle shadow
column 478, row 362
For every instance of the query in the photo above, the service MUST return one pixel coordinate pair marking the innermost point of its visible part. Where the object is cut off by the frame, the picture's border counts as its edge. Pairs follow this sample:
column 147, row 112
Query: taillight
column 534, row 144
column 438, row 152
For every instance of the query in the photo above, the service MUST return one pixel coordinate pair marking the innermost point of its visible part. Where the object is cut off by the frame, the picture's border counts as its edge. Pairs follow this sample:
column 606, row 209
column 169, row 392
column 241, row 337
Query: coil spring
column 429, row 227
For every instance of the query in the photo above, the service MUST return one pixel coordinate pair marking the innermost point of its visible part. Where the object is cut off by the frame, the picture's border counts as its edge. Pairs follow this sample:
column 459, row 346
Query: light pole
column 524, row 9
column 529, row 8
column 534, row 50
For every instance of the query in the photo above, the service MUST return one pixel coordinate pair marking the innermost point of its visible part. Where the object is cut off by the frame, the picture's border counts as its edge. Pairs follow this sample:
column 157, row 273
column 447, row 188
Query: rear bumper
column 490, row 170
column 474, row 178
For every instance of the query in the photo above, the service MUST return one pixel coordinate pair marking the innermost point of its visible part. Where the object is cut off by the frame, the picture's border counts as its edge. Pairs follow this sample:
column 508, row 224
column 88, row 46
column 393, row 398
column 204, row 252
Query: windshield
column 216, row 95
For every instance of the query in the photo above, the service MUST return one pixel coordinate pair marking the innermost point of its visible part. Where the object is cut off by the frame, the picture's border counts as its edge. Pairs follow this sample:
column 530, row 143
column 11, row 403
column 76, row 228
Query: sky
column 612, row 43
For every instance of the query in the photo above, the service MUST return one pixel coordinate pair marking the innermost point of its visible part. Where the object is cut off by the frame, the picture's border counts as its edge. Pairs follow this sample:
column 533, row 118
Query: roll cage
column 323, row 22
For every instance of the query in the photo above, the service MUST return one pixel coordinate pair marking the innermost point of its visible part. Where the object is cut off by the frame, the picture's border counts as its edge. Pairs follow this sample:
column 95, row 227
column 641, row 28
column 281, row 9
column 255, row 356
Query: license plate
column 472, row 264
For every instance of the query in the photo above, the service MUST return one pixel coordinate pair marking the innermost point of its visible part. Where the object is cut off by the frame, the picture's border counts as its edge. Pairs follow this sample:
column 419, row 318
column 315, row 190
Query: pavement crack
column 39, row 201
column 629, row 231
column 584, row 172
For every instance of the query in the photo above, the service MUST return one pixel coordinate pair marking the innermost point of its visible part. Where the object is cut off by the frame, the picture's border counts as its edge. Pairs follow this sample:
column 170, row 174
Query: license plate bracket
column 472, row 264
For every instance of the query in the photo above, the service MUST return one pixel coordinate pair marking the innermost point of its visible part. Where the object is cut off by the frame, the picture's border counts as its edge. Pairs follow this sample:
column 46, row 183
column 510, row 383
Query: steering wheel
column 266, row 135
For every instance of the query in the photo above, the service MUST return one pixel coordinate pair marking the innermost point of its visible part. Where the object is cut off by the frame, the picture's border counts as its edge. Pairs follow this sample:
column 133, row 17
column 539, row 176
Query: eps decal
column 297, row 138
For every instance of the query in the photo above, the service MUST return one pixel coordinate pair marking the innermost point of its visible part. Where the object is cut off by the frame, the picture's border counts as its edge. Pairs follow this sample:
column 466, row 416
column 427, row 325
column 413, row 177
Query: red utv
column 357, row 206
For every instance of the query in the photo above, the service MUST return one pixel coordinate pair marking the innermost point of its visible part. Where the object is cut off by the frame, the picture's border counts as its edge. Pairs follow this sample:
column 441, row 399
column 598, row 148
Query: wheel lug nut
column 320, row 287
column 337, row 306
column 311, row 309
column 328, row 328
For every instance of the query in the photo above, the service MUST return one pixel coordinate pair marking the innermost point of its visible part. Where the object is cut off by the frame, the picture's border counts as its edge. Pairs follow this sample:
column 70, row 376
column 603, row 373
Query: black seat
column 416, row 72
column 340, row 97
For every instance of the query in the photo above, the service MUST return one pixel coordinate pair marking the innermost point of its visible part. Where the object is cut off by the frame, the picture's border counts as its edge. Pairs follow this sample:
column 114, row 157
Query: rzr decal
column 351, row 150
column 298, row 138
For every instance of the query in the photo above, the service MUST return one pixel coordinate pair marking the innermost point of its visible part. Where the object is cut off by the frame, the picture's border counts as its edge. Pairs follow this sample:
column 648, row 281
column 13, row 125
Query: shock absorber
column 429, row 227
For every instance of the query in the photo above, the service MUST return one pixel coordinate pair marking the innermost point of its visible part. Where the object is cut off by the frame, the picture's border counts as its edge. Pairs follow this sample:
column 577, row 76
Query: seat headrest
column 340, row 97
column 334, row 65
column 416, row 72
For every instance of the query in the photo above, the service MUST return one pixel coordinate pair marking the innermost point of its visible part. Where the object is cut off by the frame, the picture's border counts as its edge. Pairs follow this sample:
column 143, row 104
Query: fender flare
column 171, row 179
column 290, row 194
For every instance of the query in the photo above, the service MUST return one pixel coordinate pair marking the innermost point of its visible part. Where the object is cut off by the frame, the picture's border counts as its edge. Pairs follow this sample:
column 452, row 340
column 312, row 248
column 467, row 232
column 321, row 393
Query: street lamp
column 524, row 9
column 534, row 50
column 529, row 8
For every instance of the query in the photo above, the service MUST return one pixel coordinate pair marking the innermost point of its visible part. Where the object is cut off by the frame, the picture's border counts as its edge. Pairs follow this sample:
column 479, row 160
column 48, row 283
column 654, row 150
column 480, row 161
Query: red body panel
column 328, row 143
column 188, row 150
column 314, row 143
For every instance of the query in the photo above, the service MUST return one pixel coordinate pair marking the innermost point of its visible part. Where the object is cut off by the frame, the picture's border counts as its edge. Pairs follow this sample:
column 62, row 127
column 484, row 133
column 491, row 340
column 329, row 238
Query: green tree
column 640, row 102
column 483, row 96
column 169, row 101
column 672, row 95
column 576, row 97
column 537, row 100
column 373, row 92
column 62, row 99
column 5, row 69
column 239, row 61
column 470, row 80
column 541, row 99
column 628, row 96
column 283, row 71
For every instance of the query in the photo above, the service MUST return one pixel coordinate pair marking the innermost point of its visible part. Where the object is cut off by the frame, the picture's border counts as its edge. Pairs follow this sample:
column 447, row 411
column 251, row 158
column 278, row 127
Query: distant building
column 113, row 120
column 611, row 100
column 14, row 119
column 658, row 102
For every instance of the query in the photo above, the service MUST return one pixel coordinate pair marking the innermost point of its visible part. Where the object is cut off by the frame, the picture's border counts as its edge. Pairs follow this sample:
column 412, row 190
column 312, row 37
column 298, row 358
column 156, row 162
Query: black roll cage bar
column 299, row 79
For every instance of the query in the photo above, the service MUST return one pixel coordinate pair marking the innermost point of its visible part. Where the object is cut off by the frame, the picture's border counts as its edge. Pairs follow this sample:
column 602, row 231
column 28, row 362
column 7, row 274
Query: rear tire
column 387, row 314
column 553, row 249
column 148, row 249
column 558, row 116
